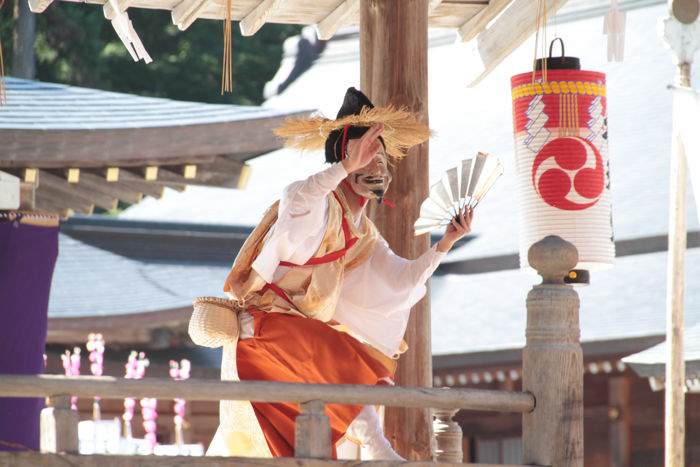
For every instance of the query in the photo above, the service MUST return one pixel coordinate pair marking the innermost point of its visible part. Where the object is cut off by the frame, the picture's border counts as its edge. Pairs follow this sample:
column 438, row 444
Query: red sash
column 327, row 258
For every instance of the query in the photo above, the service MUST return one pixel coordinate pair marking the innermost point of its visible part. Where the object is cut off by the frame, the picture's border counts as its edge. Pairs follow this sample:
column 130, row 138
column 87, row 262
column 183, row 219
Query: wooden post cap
column 685, row 11
column 553, row 258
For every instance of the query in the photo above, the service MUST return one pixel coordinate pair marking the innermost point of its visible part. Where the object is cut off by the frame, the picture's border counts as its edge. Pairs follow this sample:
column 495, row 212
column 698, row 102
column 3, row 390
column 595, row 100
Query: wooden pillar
column 394, row 70
column 448, row 437
column 553, row 361
column 682, row 34
column 620, row 422
column 674, row 409
column 312, row 435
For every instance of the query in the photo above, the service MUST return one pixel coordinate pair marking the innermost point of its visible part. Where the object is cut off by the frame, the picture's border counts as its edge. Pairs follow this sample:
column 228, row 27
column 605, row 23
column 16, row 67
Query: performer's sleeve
column 377, row 296
column 301, row 215
column 303, row 197
column 404, row 274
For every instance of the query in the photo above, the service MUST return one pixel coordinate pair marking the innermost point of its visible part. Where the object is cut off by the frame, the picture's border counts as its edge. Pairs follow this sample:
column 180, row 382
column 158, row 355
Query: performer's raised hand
column 461, row 225
column 362, row 151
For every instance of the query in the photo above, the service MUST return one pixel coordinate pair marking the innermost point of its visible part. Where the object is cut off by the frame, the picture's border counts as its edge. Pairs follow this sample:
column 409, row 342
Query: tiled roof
column 652, row 362
column 624, row 302
column 89, row 281
column 34, row 105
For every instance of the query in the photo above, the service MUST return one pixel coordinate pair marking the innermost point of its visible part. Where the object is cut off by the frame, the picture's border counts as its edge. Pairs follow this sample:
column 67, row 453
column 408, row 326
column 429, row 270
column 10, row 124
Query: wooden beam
column 72, row 175
column 434, row 4
column 398, row 75
column 478, row 22
column 75, row 195
column 177, row 144
column 517, row 23
column 224, row 173
column 25, row 174
column 150, row 172
column 338, row 18
column 117, row 190
column 32, row 459
column 189, row 171
column 254, row 20
column 146, row 188
column 176, row 186
column 49, row 199
column 111, row 174
column 111, row 387
column 187, row 11
column 121, row 330
column 243, row 177
column 27, row 196
column 30, row 175
column 174, row 175
column 105, row 174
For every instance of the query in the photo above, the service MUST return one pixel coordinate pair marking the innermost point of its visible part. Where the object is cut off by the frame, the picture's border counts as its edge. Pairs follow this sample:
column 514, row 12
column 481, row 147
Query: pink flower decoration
column 71, row 367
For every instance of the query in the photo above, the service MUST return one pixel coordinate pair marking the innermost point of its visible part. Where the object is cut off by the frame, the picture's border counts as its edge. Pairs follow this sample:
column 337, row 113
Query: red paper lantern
column 561, row 140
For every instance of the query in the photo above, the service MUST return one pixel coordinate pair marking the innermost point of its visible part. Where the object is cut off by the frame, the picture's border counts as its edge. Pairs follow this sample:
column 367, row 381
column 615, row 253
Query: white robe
column 377, row 296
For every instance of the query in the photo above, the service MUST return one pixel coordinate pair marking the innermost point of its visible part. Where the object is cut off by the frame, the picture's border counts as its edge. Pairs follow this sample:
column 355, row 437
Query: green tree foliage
column 76, row 45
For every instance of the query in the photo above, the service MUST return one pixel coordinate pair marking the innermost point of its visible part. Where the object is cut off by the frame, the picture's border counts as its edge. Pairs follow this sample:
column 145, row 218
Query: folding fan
column 464, row 185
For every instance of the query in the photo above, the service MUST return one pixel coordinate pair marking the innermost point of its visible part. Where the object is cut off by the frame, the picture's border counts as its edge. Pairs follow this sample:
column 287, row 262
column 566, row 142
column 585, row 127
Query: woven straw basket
column 214, row 321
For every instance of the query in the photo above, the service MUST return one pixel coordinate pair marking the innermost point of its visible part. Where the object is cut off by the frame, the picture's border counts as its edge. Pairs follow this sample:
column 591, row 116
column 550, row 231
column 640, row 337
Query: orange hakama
column 319, row 354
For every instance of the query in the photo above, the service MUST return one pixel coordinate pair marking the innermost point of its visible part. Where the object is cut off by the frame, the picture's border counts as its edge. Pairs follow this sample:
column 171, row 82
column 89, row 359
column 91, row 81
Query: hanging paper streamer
column 125, row 30
column 614, row 28
column 227, row 61
column 561, row 142
column 686, row 115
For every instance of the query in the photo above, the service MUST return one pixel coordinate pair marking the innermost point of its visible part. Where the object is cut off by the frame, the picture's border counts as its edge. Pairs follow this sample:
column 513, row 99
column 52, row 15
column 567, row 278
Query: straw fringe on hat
column 402, row 130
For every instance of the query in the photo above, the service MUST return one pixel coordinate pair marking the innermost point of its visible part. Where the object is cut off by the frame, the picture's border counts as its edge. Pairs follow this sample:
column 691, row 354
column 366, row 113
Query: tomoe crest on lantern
column 568, row 173
column 561, row 140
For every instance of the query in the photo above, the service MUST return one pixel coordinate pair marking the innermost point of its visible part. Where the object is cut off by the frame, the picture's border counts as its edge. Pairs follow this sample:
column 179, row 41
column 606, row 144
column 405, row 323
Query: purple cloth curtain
column 27, row 258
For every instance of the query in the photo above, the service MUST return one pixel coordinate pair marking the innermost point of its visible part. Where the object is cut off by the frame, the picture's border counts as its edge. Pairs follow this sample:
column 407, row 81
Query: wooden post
column 620, row 422
column 59, row 426
column 27, row 196
column 674, row 410
column 682, row 33
column 553, row 361
column 394, row 70
column 448, row 437
column 312, row 435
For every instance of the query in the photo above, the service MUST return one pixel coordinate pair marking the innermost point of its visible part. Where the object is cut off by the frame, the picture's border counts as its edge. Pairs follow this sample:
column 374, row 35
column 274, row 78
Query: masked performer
column 321, row 296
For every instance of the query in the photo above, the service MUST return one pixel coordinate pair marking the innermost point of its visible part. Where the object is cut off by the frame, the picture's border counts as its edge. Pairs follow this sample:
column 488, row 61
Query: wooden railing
column 59, row 424
column 552, row 404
